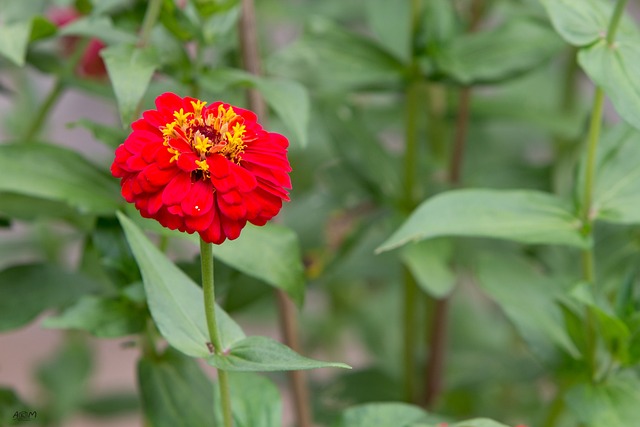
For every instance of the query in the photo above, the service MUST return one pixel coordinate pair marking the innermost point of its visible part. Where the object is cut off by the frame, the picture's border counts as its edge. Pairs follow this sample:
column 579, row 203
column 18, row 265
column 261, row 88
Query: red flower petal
column 176, row 189
column 199, row 199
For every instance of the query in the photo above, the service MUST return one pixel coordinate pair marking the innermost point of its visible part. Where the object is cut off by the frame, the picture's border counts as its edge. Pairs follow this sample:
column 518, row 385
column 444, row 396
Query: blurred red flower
column 91, row 64
column 205, row 169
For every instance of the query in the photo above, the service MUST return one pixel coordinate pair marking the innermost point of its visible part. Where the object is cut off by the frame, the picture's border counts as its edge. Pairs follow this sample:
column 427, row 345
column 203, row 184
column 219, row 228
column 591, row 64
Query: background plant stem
column 286, row 309
column 150, row 18
column 437, row 337
column 206, row 262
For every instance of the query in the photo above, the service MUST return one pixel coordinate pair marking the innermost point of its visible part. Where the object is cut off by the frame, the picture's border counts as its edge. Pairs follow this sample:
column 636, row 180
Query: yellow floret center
column 206, row 133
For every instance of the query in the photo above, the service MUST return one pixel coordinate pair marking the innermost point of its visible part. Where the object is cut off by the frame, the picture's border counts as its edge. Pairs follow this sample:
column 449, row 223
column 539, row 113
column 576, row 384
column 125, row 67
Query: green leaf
column 111, row 404
column 611, row 404
column 529, row 301
column 27, row 290
column 582, row 22
column 102, row 317
column 130, row 70
column 524, row 216
column 428, row 262
column 388, row 20
column 99, row 27
column 57, row 173
column 14, row 38
column 479, row 422
column 615, row 68
column 255, row 401
column 381, row 415
column 10, row 403
column 289, row 99
column 65, row 378
column 495, row 55
column 42, row 28
column 175, row 301
column 111, row 136
column 270, row 253
column 174, row 391
column 337, row 60
column 616, row 195
column 264, row 354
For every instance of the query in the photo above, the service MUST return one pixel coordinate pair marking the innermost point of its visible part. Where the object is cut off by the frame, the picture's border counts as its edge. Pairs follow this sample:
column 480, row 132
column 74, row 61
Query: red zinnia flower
column 205, row 169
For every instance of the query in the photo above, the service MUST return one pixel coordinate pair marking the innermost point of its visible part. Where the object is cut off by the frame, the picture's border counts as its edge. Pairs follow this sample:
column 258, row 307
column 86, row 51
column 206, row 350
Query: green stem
column 592, row 149
column 615, row 20
column 150, row 18
column 45, row 109
column 555, row 410
column 206, row 259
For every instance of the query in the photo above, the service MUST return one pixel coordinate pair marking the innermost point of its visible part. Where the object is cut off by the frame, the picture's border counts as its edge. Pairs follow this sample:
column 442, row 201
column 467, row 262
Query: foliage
column 461, row 215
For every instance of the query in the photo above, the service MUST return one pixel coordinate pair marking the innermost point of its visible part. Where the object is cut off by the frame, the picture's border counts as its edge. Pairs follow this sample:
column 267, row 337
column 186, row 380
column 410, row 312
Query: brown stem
column 438, row 331
column 250, row 54
column 287, row 312
column 298, row 379
column 437, row 346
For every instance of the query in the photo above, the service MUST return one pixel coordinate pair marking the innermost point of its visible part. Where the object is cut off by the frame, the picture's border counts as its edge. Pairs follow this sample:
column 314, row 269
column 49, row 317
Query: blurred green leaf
column 130, row 70
column 479, row 422
column 582, row 22
column 27, row 290
column 14, row 38
column 102, row 317
column 175, row 302
column 264, row 354
column 57, row 173
column 100, row 27
column 110, row 405
column 255, row 401
column 207, row 8
column 10, row 403
column 428, row 262
column 495, row 55
column 270, row 253
column 524, row 216
column 615, row 68
column 611, row 404
column 381, row 415
column 529, row 301
column 336, row 60
column 42, row 28
column 24, row 207
column 390, row 23
column 175, row 391
column 616, row 195
column 110, row 135
column 289, row 99
column 65, row 378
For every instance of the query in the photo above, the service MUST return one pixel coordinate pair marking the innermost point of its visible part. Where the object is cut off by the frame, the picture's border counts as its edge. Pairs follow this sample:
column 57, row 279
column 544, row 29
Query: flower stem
column 206, row 260
column 150, row 18
column 409, row 335
column 45, row 109
column 593, row 137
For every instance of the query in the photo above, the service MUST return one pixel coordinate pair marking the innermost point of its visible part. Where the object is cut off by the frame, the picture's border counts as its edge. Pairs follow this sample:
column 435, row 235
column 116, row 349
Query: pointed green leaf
column 255, row 401
column 175, row 391
column 100, row 27
column 611, row 404
column 130, row 70
column 428, row 262
column 27, row 290
column 616, row 195
column 57, row 173
column 264, row 354
column 529, row 301
column 495, row 55
column 290, row 101
column 479, row 422
column 615, row 68
column 523, row 216
column 102, row 317
column 288, row 98
column 175, row 301
column 14, row 38
column 582, row 22
column 389, row 414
